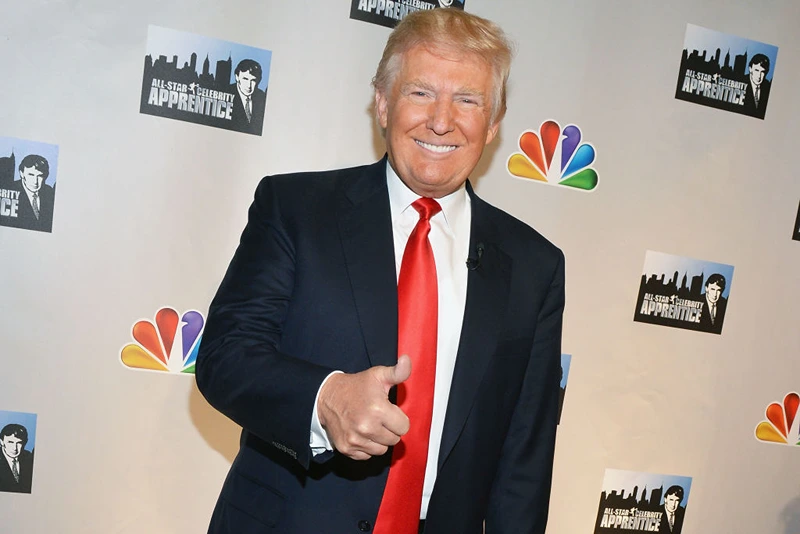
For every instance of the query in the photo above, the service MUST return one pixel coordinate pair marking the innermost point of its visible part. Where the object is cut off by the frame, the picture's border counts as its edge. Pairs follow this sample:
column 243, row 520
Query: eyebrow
column 465, row 91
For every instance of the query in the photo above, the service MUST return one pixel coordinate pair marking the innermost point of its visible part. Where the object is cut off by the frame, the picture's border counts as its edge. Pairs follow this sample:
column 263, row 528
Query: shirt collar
column 8, row 458
column 25, row 186
column 28, row 192
column 243, row 96
column 401, row 198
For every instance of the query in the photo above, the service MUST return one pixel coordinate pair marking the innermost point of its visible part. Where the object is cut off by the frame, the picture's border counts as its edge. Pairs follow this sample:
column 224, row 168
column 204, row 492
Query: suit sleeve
column 520, row 495
column 240, row 368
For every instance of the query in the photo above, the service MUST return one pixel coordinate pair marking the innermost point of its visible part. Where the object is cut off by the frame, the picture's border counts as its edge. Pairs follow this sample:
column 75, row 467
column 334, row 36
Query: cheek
column 408, row 117
column 475, row 128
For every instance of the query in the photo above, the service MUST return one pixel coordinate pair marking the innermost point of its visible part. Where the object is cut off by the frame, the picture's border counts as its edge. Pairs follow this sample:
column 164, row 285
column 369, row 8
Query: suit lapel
column 365, row 228
column 487, row 295
column 6, row 475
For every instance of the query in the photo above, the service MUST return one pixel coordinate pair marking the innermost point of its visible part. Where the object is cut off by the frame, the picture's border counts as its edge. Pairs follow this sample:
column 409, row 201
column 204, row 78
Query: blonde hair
column 450, row 29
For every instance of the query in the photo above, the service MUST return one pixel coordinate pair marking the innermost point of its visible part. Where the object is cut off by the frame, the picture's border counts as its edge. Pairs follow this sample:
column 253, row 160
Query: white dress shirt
column 449, row 238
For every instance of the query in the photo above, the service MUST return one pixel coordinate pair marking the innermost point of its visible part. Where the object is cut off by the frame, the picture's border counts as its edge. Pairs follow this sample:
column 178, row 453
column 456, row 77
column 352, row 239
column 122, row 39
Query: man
column 713, row 313
column 248, row 100
column 36, row 199
column 312, row 333
column 755, row 101
column 672, row 518
column 16, row 472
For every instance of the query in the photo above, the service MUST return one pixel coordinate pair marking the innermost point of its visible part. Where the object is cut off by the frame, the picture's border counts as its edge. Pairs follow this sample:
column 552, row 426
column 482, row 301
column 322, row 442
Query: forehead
column 11, row 439
column 31, row 170
column 444, row 65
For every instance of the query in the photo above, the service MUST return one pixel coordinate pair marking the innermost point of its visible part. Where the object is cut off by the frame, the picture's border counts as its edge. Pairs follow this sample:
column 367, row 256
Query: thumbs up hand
column 355, row 411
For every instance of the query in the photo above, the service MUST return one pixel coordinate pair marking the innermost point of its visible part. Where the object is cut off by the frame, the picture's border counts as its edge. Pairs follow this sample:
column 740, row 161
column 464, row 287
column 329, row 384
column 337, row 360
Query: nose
column 440, row 116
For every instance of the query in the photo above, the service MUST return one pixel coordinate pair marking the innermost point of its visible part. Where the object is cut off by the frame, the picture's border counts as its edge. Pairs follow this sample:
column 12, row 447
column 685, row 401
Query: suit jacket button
column 364, row 525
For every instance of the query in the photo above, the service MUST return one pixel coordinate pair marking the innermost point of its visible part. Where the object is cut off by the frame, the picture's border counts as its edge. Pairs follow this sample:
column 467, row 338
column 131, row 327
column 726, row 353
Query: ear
column 492, row 133
column 381, row 108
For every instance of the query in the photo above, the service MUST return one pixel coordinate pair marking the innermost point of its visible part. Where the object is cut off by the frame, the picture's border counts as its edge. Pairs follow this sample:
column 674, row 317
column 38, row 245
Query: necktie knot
column 426, row 207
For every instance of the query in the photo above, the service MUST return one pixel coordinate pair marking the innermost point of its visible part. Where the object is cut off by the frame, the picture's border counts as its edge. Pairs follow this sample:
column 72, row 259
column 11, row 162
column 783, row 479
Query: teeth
column 437, row 148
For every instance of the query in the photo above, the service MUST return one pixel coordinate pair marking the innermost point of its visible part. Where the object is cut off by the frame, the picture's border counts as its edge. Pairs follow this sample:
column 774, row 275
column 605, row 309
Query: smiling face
column 437, row 117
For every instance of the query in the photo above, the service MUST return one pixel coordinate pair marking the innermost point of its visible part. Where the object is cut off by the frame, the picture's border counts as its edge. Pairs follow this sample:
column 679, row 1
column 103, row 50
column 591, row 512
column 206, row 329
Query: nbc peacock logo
column 170, row 343
column 555, row 156
column 779, row 426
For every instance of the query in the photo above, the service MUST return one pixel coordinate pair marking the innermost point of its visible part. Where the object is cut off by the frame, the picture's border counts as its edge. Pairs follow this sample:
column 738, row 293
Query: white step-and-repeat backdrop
column 654, row 142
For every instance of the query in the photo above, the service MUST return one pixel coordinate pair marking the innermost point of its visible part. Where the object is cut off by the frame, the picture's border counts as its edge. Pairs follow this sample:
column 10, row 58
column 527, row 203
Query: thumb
column 399, row 372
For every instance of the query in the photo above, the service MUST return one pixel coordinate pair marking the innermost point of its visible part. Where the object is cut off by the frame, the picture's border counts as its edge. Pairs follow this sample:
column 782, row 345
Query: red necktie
column 417, row 307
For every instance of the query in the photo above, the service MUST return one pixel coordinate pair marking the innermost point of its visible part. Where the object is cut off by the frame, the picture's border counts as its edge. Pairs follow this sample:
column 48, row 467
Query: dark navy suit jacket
column 25, row 216
column 312, row 288
column 239, row 115
column 7, row 481
column 677, row 527
column 750, row 99
column 705, row 316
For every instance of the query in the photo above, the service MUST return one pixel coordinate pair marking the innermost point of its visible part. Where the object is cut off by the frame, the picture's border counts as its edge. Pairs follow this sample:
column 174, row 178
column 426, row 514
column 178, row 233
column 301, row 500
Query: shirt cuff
column 319, row 441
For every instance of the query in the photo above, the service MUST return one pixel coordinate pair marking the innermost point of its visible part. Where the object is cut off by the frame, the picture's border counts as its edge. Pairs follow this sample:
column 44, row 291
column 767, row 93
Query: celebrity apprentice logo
column 779, row 426
column 28, row 171
column 642, row 502
column 227, row 89
column 395, row 10
column 683, row 292
column 9, row 203
column 191, row 98
column 726, row 71
column 168, row 344
column 555, row 156
column 389, row 12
